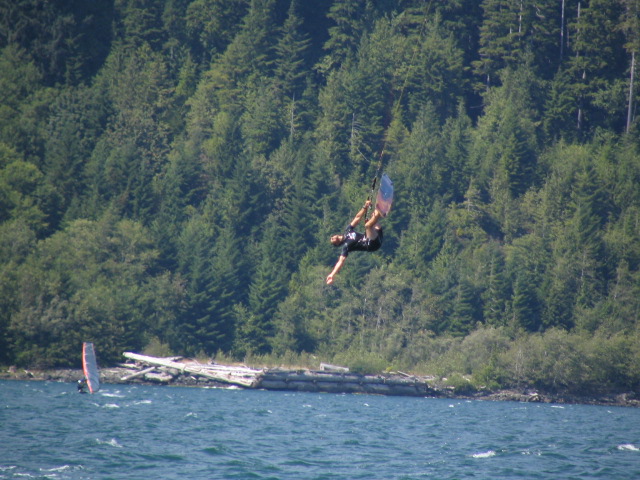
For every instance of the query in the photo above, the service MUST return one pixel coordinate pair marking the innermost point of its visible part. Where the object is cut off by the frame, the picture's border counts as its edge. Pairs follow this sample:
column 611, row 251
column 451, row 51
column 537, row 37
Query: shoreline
column 115, row 376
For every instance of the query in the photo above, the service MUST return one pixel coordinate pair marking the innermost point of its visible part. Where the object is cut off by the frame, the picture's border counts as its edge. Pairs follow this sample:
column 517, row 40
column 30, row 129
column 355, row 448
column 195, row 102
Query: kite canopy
column 385, row 195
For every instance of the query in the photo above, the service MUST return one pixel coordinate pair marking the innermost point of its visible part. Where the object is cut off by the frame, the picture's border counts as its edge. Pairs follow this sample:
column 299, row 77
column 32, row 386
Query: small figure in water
column 351, row 240
column 82, row 384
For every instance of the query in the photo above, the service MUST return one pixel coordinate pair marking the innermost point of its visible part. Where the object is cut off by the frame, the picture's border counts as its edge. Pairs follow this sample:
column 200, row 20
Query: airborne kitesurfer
column 351, row 240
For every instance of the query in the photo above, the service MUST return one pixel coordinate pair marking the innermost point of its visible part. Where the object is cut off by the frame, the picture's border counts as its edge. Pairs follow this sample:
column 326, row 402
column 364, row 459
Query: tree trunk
column 630, row 109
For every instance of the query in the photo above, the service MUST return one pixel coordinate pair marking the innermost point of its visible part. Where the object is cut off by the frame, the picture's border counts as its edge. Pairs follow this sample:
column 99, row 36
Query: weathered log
column 158, row 377
column 138, row 374
column 333, row 368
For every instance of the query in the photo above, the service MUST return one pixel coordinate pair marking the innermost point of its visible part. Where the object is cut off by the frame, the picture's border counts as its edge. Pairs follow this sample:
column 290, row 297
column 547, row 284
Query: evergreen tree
column 590, row 214
column 211, row 26
column 598, row 59
column 133, row 150
column 500, row 38
column 527, row 262
column 139, row 22
column 263, row 121
column 525, row 303
column 422, row 240
column 19, row 81
column 495, row 285
column 453, row 170
column 435, row 72
column 291, row 55
column 76, row 122
column 349, row 19
column 268, row 288
column 67, row 41
column 631, row 28
column 466, row 309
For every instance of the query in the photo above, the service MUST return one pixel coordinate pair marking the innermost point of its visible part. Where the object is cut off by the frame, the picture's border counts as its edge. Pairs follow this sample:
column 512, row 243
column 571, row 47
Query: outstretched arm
column 336, row 269
column 356, row 220
column 361, row 213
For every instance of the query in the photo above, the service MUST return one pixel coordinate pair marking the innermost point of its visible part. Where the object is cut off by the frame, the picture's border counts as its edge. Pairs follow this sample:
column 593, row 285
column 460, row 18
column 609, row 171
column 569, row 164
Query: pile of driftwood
column 167, row 370
column 330, row 378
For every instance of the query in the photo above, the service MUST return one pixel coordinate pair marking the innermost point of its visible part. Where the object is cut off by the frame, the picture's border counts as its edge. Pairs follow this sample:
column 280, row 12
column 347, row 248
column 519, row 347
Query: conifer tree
column 631, row 28
column 211, row 26
column 496, row 293
column 597, row 60
column 465, row 312
column 291, row 55
column 268, row 288
column 345, row 35
column 500, row 39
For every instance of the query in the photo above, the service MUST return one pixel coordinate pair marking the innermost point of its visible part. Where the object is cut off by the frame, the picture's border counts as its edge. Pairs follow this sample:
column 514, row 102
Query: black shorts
column 373, row 245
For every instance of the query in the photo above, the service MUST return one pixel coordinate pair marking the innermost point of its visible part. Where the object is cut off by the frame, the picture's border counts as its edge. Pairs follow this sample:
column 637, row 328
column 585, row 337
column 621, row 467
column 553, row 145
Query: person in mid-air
column 351, row 240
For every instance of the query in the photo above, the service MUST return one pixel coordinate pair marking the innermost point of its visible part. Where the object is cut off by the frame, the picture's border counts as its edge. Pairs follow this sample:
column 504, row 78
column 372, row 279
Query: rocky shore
column 123, row 375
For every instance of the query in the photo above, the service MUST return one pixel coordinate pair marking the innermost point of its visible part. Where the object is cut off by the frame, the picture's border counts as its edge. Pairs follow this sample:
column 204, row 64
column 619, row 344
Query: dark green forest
column 171, row 172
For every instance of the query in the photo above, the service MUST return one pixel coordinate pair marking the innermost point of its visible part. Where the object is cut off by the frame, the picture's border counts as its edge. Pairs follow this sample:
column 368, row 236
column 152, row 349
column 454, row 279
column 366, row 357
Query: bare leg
column 371, row 227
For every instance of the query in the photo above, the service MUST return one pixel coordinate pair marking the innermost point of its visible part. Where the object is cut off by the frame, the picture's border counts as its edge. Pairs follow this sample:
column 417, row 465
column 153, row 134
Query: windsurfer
column 351, row 240
column 82, row 385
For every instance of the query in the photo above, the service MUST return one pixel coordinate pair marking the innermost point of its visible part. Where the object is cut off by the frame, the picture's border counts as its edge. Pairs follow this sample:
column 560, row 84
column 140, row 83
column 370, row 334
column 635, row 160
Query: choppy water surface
column 47, row 430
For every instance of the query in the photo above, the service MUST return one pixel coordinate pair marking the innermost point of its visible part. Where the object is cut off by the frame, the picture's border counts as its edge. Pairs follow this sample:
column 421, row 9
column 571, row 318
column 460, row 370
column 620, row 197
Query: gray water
column 47, row 430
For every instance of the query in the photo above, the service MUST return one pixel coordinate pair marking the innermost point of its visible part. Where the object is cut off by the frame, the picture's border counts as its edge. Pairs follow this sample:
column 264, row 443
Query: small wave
column 215, row 450
column 112, row 395
column 487, row 454
column 63, row 468
column 628, row 447
column 529, row 452
column 111, row 405
column 113, row 442
column 142, row 402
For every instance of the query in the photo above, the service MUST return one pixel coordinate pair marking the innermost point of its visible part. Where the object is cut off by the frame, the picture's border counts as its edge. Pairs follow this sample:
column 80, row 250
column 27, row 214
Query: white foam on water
column 111, row 405
column 56, row 469
column 628, row 447
column 112, row 443
column 112, row 395
column 487, row 454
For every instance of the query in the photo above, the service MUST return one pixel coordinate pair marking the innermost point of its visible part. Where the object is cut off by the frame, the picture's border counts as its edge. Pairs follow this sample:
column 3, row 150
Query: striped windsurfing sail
column 90, row 367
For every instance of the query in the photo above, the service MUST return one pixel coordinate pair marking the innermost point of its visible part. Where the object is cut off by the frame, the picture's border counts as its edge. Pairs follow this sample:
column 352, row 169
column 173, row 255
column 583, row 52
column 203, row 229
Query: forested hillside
column 171, row 171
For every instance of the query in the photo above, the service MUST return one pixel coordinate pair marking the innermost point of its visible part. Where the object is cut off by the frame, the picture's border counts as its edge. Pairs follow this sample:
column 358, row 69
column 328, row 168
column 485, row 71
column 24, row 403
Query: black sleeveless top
column 354, row 241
